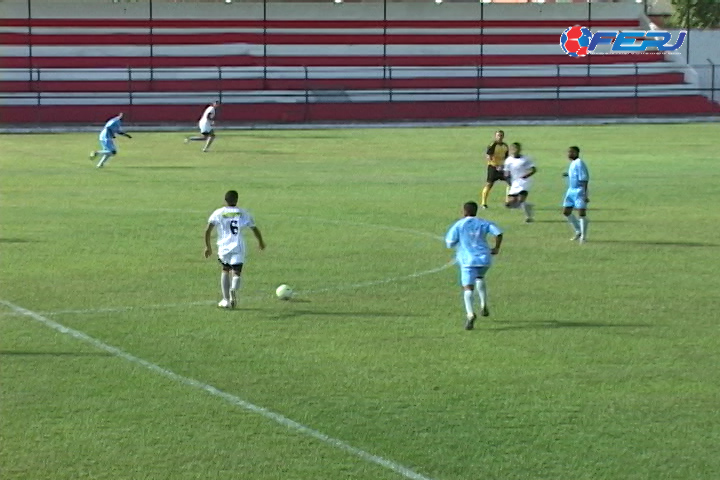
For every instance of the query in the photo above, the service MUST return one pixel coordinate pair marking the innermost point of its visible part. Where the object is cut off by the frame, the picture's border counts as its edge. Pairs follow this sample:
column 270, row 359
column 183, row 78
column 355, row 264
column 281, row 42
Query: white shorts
column 205, row 127
column 232, row 258
column 518, row 186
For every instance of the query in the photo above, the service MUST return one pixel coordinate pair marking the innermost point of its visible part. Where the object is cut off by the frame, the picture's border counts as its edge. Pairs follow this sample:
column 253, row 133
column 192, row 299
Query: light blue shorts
column 107, row 144
column 574, row 198
column 468, row 275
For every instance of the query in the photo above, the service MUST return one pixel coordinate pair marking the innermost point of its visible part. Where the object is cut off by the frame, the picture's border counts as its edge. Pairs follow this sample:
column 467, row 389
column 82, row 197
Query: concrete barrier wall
column 319, row 11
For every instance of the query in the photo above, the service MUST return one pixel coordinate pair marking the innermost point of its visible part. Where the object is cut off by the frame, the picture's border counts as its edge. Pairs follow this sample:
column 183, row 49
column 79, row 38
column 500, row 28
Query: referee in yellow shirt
column 495, row 155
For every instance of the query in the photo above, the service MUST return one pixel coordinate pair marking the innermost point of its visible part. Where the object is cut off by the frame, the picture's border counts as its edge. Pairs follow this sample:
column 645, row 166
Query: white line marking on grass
column 232, row 399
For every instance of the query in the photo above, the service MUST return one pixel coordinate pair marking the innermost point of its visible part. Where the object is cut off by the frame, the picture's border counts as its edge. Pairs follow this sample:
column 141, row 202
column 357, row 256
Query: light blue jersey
column 111, row 128
column 468, row 237
column 577, row 172
column 575, row 197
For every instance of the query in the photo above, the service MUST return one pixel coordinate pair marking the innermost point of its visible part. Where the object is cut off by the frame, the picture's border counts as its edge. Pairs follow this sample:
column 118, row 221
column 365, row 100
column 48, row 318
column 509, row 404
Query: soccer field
column 598, row 361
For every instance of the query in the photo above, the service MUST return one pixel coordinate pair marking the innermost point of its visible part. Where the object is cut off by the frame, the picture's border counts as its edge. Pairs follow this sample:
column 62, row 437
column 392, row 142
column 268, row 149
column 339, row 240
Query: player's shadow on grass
column 546, row 324
column 162, row 167
column 658, row 243
column 319, row 313
column 16, row 240
column 53, row 354
column 591, row 221
column 285, row 134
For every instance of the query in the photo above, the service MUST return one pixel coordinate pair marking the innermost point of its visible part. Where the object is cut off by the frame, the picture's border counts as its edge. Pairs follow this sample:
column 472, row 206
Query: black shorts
column 524, row 193
column 235, row 268
column 493, row 174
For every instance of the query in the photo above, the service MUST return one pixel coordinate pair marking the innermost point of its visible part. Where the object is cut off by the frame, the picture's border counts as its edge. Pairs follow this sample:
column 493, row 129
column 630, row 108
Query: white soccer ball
column 284, row 292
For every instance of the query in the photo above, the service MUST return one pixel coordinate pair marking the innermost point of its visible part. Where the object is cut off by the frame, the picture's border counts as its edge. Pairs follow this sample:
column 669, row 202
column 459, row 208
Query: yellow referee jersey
column 497, row 152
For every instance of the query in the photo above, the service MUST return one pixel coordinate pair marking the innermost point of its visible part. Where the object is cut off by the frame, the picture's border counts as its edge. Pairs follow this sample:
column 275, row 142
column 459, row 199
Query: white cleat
column 575, row 238
column 93, row 154
column 187, row 139
column 224, row 304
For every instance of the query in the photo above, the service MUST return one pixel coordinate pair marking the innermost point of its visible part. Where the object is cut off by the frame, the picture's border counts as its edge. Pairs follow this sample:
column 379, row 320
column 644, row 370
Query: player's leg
column 225, row 283
column 209, row 141
column 481, row 286
column 197, row 138
column 583, row 221
column 491, row 178
column 511, row 201
column 526, row 207
column 235, row 283
column 466, row 281
column 107, row 151
column 568, row 205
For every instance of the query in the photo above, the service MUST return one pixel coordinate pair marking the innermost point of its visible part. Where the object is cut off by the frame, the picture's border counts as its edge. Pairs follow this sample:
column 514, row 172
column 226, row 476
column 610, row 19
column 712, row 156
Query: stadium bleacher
column 315, row 69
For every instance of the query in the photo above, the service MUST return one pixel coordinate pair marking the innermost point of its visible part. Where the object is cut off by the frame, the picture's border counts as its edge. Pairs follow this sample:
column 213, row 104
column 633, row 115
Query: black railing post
column 478, row 78
column 390, row 77
column 689, row 28
column 264, row 37
column 30, row 37
column 637, row 90
column 38, row 89
column 130, row 86
column 220, row 84
column 557, row 91
column 307, row 87
column 384, row 38
column 712, row 82
column 152, row 40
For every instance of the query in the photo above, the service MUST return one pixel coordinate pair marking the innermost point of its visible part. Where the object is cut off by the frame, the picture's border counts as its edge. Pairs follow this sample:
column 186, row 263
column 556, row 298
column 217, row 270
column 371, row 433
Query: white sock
column 208, row 143
column 574, row 222
column 225, row 284
column 527, row 209
column 481, row 286
column 103, row 160
column 583, row 227
column 235, row 283
column 468, row 297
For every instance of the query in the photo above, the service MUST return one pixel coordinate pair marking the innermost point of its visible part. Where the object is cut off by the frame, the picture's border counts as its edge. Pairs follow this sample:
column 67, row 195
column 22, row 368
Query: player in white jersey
column 206, row 125
column 230, row 222
column 518, row 170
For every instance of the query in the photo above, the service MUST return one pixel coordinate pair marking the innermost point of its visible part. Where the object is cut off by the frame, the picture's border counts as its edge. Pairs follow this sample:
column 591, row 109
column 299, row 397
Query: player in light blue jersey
column 473, row 256
column 576, row 196
column 112, row 127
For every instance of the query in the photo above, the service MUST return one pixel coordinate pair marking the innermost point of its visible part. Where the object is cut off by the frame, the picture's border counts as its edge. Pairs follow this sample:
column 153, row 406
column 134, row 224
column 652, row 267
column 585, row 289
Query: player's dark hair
column 500, row 131
column 576, row 150
column 470, row 209
column 518, row 146
column 231, row 198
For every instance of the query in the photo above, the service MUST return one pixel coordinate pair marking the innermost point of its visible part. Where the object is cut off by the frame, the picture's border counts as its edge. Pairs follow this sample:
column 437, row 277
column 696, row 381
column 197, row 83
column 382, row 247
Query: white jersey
column 230, row 222
column 516, row 168
column 206, row 120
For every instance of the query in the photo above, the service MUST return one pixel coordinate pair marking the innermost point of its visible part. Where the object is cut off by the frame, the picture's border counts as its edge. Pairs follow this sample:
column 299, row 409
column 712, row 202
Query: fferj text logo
column 579, row 41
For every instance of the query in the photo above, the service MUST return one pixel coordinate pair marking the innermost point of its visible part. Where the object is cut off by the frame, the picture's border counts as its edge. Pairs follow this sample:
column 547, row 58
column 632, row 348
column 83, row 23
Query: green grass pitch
column 598, row 362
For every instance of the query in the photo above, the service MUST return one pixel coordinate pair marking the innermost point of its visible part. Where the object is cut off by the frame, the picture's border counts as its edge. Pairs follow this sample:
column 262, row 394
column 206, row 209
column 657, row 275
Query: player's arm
column 531, row 172
column 452, row 238
column 498, row 241
column 120, row 132
column 208, row 247
column 258, row 235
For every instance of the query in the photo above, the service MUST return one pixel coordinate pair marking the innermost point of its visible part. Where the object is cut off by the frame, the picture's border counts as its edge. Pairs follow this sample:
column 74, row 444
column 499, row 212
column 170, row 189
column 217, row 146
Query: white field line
column 232, row 399
column 334, row 288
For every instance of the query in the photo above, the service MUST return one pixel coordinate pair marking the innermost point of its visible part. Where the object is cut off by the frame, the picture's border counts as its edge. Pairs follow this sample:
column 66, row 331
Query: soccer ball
column 284, row 292
column 575, row 41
